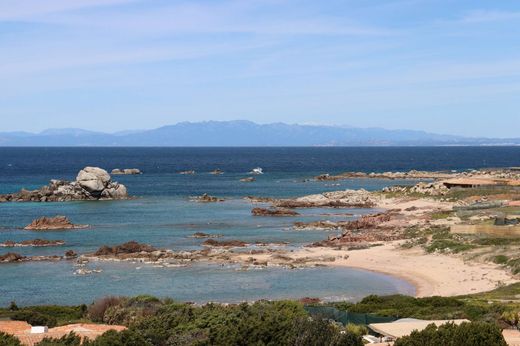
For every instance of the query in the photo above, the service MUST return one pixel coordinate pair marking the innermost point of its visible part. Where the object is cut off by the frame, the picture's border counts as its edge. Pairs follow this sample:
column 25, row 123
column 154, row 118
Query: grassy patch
column 500, row 259
column 448, row 245
column 442, row 215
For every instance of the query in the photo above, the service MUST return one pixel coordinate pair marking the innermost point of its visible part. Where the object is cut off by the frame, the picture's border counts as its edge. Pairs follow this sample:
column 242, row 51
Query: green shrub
column 466, row 334
column 70, row 339
column 500, row 259
column 8, row 340
column 308, row 332
column 35, row 318
column 447, row 245
column 124, row 338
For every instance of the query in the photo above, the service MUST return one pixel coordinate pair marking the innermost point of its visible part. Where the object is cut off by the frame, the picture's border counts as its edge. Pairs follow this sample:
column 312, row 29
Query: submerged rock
column 92, row 183
column 52, row 223
column 273, row 212
column 201, row 235
column 224, row 243
column 248, row 180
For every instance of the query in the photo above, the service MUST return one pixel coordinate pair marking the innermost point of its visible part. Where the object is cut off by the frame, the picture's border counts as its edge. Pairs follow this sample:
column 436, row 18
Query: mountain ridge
column 244, row 133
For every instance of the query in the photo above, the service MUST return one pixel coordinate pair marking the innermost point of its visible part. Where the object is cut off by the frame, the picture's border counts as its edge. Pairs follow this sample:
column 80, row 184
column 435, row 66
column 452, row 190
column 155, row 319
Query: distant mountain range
column 244, row 133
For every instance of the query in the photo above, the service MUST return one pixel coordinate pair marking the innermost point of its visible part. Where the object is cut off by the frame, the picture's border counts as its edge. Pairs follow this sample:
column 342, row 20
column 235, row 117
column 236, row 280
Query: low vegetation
column 152, row 321
column 466, row 334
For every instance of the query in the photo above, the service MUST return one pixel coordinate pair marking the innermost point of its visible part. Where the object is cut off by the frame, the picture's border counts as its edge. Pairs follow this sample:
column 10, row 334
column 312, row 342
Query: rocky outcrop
column 430, row 189
column 70, row 254
column 32, row 243
column 413, row 174
column 205, row 198
column 12, row 257
column 337, row 199
column 256, row 199
column 273, row 212
column 131, row 247
column 92, row 183
column 126, row 171
column 52, row 223
column 364, row 222
column 216, row 172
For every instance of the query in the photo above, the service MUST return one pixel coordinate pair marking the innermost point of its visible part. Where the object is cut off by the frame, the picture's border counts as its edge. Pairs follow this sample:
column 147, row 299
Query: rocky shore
column 52, row 223
column 92, row 183
column 337, row 199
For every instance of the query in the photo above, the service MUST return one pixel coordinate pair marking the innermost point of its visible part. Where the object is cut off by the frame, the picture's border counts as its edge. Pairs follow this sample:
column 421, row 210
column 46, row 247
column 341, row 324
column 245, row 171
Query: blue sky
column 447, row 66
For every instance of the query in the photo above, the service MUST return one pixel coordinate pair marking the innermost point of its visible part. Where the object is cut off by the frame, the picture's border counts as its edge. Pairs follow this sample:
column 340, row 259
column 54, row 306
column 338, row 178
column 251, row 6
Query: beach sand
column 431, row 274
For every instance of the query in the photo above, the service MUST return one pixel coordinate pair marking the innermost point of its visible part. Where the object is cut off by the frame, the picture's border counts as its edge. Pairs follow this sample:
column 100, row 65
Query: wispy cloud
column 30, row 9
column 481, row 16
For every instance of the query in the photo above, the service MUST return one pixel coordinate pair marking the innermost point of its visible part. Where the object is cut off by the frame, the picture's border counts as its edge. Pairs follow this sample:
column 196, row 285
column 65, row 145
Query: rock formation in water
column 52, row 223
column 11, row 257
column 32, row 243
column 248, row 180
column 92, row 183
column 205, row 198
column 201, row 235
column 126, row 171
column 130, row 247
column 273, row 212
column 337, row 199
column 224, row 243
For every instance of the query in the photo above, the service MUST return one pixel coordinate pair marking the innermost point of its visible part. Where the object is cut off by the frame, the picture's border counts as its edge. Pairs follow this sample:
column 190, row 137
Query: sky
column 445, row 66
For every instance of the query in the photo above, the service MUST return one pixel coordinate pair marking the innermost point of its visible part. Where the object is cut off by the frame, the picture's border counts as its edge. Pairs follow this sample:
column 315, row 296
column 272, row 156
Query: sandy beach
column 431, row 274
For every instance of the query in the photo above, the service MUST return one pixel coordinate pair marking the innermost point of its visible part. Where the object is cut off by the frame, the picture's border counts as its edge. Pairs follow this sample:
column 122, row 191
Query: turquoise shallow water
column 163, row 215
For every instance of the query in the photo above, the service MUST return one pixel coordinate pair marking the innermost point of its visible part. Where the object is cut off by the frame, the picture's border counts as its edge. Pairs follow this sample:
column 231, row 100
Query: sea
column 162, row 214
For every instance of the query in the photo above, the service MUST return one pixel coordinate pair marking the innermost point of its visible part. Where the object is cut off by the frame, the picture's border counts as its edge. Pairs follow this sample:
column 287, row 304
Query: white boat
column 257, row 170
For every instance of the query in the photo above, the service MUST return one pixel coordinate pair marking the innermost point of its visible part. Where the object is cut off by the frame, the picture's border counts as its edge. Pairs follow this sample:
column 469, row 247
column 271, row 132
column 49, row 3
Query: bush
column 96, row 312
column 320, row 332
column 113, row 338
column 8, row 340
column 35, row 318
column 466, row 334
column 70, row 339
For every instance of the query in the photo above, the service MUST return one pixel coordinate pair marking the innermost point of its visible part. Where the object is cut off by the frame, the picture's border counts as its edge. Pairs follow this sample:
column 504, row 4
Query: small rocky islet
column 52, row 223
column 92, row 183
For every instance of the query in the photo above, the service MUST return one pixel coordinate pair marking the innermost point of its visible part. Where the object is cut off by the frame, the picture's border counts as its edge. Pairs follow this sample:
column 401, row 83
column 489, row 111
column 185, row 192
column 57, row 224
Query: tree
column 35, row 318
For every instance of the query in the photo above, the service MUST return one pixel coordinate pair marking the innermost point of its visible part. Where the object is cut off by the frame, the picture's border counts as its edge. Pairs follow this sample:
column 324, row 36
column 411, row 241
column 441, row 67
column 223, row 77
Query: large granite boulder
column 93, row 179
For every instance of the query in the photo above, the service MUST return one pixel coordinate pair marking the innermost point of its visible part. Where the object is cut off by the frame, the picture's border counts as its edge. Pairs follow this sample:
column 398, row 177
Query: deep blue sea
column 163, row 215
